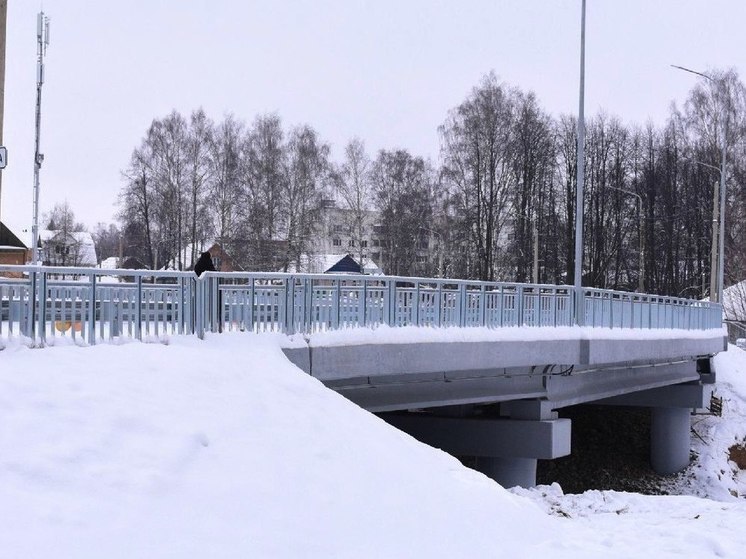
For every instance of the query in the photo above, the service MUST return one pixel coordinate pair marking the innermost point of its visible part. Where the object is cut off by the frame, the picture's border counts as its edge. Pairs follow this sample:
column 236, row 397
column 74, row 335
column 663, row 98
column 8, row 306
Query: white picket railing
column 91, row 305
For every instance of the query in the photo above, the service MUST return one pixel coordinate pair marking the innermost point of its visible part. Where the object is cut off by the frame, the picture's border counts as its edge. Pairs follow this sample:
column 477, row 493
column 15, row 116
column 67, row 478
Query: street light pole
column 717, row 296
column 580, row 179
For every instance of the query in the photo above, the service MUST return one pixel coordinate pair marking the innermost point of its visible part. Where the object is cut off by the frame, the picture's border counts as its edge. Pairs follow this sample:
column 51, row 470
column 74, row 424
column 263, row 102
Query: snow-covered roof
column 317, row 263
column 371, row 268
column 86, row 247
column 9, row 240
column 111, row 263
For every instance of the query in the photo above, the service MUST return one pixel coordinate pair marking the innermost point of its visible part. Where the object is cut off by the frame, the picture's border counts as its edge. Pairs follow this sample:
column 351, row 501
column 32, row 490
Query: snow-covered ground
column 222, row 448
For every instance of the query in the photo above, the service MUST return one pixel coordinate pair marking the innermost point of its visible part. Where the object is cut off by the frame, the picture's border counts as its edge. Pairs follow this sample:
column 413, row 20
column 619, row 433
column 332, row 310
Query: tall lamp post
column 641, row 283
column 580, row 179
column 718, row 295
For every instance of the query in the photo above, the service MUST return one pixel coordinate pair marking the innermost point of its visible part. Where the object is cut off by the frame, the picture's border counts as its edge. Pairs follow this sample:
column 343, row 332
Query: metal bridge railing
column 91, row 305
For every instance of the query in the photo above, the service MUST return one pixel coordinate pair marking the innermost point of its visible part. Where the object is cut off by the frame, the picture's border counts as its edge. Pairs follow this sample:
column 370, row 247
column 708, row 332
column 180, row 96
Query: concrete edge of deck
column 384, row 360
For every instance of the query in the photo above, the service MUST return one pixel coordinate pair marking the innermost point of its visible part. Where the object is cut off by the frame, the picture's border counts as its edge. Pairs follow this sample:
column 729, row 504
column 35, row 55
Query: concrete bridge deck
column 495, row 402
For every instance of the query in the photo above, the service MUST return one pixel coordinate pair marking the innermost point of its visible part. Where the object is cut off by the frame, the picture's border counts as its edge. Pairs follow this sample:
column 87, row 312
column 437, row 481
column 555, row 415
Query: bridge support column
column 670, row 439
column 504, row 449
column 670, row 426
column 508, row 472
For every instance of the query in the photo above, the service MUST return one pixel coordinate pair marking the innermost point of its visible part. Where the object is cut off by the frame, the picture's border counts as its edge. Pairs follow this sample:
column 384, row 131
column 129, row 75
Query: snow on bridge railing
column 92, row 304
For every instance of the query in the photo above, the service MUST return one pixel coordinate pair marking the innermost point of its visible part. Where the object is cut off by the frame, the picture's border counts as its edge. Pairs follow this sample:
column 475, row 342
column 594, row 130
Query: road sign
column 3, row 157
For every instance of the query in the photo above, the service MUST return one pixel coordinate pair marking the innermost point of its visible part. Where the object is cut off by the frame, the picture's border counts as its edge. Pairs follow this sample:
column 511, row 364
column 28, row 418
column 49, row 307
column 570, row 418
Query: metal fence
column 91, row 305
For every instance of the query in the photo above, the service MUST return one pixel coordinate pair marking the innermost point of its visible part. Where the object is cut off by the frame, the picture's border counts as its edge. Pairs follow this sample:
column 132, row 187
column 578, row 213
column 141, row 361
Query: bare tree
column 307, row 172
column 476, row 152
column 225, row 187
column 198, row 171
column 352, row 185
column 402, row 186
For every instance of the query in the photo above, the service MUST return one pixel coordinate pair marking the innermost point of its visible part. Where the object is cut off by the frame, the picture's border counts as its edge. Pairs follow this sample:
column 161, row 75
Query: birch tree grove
column 499, row 204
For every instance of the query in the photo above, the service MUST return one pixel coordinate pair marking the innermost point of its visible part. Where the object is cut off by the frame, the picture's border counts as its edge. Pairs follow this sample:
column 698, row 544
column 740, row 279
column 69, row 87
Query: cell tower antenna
column 42, row 42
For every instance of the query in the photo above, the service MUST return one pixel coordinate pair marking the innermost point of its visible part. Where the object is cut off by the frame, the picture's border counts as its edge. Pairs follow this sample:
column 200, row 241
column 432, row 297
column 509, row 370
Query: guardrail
column 91, row 304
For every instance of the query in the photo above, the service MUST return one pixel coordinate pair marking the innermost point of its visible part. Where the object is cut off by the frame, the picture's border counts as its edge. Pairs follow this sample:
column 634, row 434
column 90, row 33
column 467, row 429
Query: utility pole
column 42, row 42
column 3, row 27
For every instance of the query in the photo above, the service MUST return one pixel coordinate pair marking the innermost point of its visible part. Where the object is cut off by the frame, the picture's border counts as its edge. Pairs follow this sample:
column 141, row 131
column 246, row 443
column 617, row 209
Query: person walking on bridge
column 204, row 264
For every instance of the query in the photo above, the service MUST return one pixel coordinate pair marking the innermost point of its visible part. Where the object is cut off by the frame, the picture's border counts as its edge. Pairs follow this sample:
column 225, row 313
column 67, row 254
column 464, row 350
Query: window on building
column 376, row 243
column 337, row 242
column 351, row 243
column 364, row 244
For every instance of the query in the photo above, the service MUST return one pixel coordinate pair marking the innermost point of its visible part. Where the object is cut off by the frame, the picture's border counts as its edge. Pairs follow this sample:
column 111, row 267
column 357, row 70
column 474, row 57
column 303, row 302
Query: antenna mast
column 42, row 42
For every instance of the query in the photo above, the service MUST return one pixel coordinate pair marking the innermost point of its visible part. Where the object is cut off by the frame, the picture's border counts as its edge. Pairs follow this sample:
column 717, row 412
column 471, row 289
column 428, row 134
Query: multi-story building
column 343, row 231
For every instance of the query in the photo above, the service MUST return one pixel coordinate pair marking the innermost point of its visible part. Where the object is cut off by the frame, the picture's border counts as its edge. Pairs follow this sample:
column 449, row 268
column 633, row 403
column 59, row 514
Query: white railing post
column 391, row 315
column 289, row 305
column 42, row 308
column 519, row 307
column 462, row 304
column 92, row 311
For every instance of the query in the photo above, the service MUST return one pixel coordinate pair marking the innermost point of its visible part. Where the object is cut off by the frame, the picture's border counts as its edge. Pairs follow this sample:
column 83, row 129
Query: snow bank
column 223, row 449
column 712, row 474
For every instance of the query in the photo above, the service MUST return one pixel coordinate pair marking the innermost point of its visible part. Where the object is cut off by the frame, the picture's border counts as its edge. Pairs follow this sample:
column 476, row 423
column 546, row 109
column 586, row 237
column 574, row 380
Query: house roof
column 347, row 265
column 9, row 239
column 370, row 267
column 84, row 239
column 326, row 263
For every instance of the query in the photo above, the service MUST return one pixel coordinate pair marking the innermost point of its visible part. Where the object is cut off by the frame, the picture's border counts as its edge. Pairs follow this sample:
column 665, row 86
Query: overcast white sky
column 385, row 70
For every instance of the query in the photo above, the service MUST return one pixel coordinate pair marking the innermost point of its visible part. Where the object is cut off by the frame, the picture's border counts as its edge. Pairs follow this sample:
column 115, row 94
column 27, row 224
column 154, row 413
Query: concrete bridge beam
column 504, row 449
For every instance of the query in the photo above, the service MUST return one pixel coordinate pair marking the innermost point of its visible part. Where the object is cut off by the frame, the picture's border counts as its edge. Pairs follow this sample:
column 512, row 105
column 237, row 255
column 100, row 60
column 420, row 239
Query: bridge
column 478, row 369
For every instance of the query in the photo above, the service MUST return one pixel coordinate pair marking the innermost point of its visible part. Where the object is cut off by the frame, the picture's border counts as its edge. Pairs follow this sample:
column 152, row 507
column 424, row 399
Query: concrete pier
column 504, row 449
column 670, row 439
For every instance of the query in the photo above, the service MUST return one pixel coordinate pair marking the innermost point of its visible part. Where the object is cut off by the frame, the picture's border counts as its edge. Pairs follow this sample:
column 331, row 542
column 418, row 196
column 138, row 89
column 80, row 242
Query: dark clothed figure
column 204, row 264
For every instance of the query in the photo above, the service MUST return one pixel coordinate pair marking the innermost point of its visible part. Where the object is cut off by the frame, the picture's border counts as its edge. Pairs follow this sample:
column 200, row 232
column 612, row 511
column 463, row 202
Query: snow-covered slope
column 712, row 474
column 223, row 449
